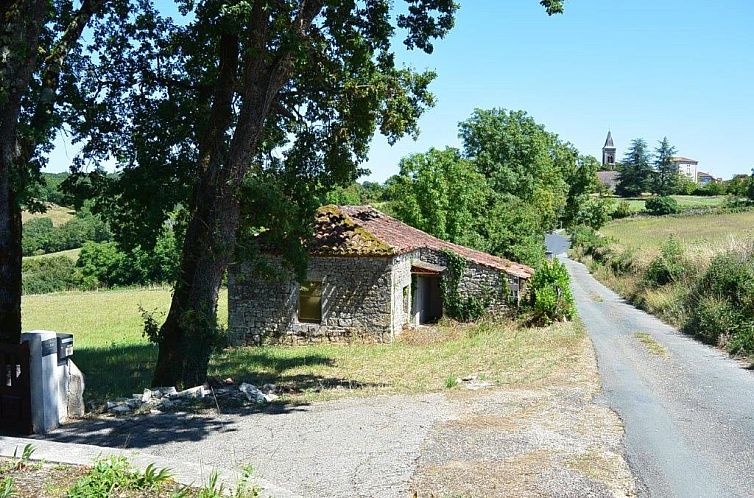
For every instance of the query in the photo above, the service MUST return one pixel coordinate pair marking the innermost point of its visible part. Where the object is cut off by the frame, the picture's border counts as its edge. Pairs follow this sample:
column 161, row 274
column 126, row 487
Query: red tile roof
column 362, row 231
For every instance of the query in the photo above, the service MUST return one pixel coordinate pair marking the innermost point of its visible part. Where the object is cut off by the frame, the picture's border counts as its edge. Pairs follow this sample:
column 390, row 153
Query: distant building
column 608, row 152
column 686, row 167
column 609, row 179
column 704, row 179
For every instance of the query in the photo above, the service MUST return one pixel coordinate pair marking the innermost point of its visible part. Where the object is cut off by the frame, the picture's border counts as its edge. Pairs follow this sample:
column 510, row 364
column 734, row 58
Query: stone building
column 608, row 152
column 369, row 277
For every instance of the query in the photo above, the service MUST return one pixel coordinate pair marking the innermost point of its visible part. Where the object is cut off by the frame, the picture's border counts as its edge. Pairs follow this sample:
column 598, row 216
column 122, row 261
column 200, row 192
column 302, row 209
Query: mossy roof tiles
column 364, row 231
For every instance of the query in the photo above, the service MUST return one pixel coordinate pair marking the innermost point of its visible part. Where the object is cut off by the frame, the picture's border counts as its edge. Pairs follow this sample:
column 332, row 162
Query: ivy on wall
column 456, row 306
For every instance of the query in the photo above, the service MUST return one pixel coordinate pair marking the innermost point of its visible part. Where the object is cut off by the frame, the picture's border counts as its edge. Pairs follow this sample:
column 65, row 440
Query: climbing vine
column 464, row 309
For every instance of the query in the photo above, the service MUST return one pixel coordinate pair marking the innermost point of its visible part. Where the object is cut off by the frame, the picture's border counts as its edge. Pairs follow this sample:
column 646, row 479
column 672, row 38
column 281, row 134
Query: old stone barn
column 369, row 277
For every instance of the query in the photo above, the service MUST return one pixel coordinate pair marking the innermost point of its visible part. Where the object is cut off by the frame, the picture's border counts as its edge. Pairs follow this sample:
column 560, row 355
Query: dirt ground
column 551, row 440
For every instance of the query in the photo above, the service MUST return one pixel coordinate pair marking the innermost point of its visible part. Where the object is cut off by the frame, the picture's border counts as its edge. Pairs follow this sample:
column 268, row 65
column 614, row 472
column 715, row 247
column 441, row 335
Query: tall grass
column 705, row 288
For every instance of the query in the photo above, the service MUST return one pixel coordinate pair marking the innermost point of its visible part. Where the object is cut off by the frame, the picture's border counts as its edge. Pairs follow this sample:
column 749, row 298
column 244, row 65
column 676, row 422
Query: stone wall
column 477, row 279
column 401, row 279
column 356, row 302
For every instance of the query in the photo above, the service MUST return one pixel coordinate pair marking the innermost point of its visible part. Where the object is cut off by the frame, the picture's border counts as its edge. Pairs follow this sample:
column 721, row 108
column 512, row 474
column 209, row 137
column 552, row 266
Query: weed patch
column 652, row 345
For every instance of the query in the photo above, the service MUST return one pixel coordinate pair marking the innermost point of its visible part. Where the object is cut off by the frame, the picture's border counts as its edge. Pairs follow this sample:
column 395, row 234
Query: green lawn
column 697, row 232
column 118, row 361
column 684, row 201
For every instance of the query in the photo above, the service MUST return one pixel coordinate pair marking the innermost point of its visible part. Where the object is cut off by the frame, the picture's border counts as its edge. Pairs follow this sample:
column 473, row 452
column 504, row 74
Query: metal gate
column 15, row 389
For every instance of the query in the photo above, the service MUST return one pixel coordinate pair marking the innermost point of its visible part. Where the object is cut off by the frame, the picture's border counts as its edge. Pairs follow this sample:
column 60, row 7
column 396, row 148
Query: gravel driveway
column 688, row 413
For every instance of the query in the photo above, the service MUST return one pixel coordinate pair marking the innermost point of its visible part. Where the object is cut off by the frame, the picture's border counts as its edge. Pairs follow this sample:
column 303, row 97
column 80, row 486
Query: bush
column 715, row 320
column 41, row 237
column 622, row 210
column 36, row 235
column 670, row 266
column 594, row 213
column 551, row 294
column 659, row 206
column 49, row 274
column 722, row 301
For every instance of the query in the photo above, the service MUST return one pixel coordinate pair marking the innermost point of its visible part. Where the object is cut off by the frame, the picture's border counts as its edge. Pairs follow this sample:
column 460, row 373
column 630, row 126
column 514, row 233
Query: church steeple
column 608, row 151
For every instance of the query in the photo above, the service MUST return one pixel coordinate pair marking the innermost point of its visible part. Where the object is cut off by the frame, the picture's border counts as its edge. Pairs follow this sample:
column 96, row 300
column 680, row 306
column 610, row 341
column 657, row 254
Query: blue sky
column 643, row 68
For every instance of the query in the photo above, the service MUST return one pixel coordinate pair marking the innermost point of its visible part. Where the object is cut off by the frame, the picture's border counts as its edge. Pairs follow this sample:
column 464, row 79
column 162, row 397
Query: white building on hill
column 686, row 167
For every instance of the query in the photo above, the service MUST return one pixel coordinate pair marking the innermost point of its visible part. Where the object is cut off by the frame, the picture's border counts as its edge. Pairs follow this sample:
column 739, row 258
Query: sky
column 641, row 68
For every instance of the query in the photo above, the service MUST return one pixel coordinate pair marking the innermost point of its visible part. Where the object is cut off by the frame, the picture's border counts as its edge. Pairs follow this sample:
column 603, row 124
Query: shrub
column 551, row 295
column 714, row 320
column 594, row 213
column 722, row 301
column 622, row 210
column 41, row 237
column 670, row 266
column 49, row 274
column 36, row 235
column 659, row 206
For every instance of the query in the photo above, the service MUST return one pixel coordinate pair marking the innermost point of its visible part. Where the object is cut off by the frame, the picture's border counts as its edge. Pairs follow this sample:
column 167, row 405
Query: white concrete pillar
column 46, row 379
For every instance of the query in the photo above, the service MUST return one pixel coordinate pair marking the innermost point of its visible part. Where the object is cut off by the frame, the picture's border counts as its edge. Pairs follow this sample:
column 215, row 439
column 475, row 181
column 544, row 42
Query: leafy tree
column 666, row 172
column 441, row 193
column 237, row 95
column 39, row 40
column 519, row 157
column 636, row 172
column 582, row 182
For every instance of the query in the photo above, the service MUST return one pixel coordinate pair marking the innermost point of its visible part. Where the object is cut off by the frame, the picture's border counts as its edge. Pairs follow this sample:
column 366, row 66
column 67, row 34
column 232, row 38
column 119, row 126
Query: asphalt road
column 688, row 415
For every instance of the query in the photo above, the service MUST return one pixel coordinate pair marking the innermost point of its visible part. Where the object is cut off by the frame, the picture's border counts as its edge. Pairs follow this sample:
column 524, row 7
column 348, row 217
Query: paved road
column 688, row 415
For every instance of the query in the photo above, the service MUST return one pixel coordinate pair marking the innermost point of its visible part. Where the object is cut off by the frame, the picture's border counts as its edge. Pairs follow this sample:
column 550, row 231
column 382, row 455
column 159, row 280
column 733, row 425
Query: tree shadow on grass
column 120, row 370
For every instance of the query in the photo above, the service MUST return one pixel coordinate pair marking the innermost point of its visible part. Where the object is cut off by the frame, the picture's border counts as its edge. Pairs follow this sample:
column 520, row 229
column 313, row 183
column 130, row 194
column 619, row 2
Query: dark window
column 310, row 302
column 405, row 300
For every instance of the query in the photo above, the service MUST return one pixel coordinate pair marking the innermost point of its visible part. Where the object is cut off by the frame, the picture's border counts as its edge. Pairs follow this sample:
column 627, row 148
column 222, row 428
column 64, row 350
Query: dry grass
column 651, row 344
column 701, row 234
column 58, row 214
column 70, row 253
column 118, row 360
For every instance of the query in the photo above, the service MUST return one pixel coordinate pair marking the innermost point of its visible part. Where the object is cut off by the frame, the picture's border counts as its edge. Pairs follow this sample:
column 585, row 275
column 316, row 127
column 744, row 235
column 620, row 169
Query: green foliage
column 660, row 206
column 665, row 180
column 441, row 193
column 581, row 178
column 622, row 210
column 636, row 170
column 50, row 274
column 451, row 381
column 594, row 212
column 551, row 294
column 41, row 237
column 6, row 487
column 114, row 475
column 455, row 305
column 721, row 302
column 106, row 264
column 670, row 266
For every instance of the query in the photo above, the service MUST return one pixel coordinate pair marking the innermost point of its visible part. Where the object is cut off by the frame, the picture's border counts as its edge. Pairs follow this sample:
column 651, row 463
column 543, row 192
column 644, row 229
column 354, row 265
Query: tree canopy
column 636, row 170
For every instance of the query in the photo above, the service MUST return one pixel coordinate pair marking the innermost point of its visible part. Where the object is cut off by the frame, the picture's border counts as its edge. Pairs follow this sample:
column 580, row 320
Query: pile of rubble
column 169, row 398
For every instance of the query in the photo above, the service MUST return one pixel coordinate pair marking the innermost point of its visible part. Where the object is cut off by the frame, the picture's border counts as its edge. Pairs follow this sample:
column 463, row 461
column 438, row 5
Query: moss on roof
column 335, row 234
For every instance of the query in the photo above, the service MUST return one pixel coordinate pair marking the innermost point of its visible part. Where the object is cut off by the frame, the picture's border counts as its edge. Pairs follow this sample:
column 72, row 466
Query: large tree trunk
column 20, row 26
column 189, row 333
column 10, row 258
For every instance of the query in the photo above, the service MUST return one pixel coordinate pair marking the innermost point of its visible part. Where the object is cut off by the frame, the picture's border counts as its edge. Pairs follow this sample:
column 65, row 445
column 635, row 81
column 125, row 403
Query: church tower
column 608, row 152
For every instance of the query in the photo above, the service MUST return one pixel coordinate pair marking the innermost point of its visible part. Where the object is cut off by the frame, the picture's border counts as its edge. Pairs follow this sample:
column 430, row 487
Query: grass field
column 684, row 201
column 699, row 233
column 58, row 214
column 118, row 361
column 71, row 253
